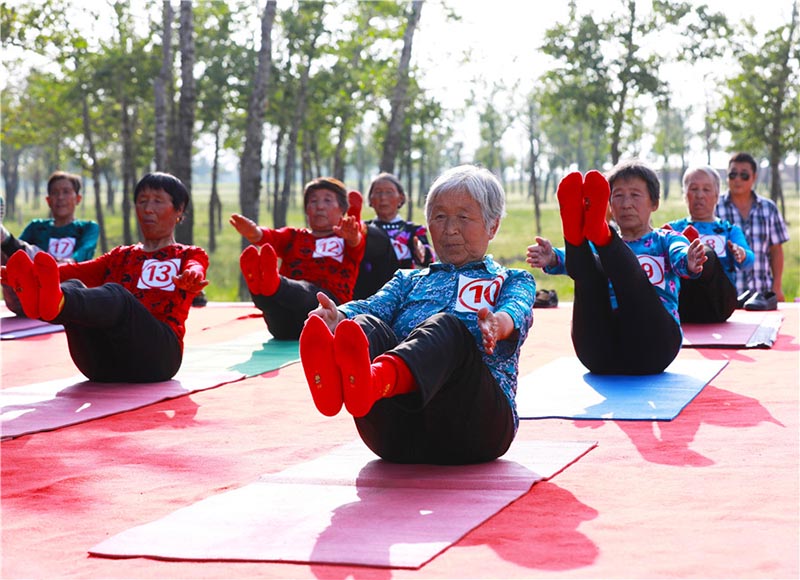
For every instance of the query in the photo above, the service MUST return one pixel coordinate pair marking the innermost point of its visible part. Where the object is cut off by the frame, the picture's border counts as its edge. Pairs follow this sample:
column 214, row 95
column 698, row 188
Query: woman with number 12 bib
column 428, row 365
column 123, row 312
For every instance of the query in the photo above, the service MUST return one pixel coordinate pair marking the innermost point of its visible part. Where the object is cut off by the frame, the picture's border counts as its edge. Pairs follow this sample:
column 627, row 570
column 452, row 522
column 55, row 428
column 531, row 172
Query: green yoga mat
column 251, row 355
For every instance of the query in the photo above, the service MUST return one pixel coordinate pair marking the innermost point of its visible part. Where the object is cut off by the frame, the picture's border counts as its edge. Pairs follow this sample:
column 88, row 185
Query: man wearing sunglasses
column 765, row 230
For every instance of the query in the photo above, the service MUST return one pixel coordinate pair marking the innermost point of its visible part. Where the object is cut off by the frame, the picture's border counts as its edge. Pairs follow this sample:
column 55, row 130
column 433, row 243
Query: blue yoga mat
column 565, row 389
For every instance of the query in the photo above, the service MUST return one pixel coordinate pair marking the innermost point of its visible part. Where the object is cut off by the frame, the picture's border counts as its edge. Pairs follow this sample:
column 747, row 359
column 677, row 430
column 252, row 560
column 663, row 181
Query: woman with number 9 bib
column 123, row 312
column 625, row 314
column 321, row 258
column 428, row 365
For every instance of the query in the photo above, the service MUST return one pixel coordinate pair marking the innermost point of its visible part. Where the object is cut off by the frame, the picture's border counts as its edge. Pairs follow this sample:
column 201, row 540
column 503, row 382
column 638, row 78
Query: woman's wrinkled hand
column 246, row 227
column 190, row 281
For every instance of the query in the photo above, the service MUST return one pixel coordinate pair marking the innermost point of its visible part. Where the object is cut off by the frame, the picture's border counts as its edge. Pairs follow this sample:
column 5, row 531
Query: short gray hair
column 480, row 183
column 708, row 170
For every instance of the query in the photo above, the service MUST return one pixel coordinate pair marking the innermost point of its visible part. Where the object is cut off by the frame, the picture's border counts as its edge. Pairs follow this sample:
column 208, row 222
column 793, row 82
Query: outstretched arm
column 246, row 227
column 542, row 254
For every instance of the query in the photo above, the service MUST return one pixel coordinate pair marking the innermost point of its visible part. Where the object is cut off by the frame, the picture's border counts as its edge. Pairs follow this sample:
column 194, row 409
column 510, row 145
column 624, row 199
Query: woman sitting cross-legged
column 428, row 365
column 123, row 312
column 625, row 314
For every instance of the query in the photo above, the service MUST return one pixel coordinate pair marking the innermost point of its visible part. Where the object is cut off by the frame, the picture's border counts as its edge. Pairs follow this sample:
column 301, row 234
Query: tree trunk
column 282, row 203
column 160, row 88
column 128, row 173
column 90, row 150
column 214, row 204
column 184, row 231
column 394, row 134
column 10, row 168
column 533, row 184
column 250, row 170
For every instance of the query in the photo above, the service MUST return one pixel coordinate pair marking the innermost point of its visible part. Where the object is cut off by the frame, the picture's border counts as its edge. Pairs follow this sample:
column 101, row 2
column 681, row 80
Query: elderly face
column 156, row 214
column 701, row 196
column 323, row 211
column 62, row 199
column 386, row 200
column 458, row 232
column 740, row 178
column 631, row 207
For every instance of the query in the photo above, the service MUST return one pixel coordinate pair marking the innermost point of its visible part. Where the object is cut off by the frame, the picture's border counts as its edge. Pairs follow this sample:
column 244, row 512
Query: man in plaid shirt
column 762, row 224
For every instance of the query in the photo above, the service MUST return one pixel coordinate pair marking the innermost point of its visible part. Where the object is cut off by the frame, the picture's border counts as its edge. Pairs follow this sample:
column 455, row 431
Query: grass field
column 516, row 233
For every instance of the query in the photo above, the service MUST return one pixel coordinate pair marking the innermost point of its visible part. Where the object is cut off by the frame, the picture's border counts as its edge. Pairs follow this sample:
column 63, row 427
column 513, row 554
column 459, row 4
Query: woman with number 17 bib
column 428, row 365
column 123, row 312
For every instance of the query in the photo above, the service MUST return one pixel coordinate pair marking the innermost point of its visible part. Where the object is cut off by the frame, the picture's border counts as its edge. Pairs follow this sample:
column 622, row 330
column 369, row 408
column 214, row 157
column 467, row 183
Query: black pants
column 286, row 311
column 112, row 337
column 459, row 414
column 640, row 337
column 709, row 298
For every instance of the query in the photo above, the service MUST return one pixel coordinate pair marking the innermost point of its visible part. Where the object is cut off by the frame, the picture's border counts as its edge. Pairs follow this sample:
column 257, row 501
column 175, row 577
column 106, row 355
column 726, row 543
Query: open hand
column 696, row 256
column 190, row 281
column 349, row 229
column 246, row 227
column 542, row 254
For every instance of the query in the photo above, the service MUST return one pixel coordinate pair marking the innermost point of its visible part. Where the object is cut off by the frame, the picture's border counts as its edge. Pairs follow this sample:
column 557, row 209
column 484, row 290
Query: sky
column 502, row 37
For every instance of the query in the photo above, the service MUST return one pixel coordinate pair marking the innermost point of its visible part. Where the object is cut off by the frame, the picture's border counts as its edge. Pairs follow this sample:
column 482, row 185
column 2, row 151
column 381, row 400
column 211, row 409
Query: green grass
column 509, row 247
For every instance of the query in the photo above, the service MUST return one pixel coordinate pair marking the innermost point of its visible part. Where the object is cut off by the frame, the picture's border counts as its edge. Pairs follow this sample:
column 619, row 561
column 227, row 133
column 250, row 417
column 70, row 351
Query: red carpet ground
column 713, row 493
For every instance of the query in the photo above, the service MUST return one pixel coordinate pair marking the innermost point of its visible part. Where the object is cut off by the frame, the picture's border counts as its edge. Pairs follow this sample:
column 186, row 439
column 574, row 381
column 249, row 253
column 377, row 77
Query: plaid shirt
column 764, row 227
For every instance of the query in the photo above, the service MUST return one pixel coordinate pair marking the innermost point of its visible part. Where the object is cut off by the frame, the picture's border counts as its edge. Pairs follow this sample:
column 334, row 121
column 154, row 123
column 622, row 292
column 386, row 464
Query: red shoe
column 20, row 275
column 251, row 269
column 268, row 263
column 319, row 365
column 355, row 202
column 51, row 298
column 352, row 353
column 570, row 204
column 596, row 194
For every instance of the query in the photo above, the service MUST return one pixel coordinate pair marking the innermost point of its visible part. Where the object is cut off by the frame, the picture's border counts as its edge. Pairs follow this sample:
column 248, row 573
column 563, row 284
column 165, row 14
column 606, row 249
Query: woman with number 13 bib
column 123, row 312
column 428, row 365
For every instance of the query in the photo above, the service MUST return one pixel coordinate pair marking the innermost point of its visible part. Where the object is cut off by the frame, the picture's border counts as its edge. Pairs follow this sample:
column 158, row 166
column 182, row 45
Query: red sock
column 570, row 204
column 270, row 279
column 404, row 381
column 597, row 193
column 319, row 365
column 355, row 202
column 51, row 299
column 21, row 277
column 691, row 233
column 248, row 262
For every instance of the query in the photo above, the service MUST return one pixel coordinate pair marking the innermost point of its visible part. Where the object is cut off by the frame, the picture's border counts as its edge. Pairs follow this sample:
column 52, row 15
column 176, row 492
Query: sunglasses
column 744, row 175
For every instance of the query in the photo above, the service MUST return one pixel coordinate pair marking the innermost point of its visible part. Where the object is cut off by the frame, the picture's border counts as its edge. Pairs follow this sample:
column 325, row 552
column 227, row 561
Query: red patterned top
column 325, row 262
column 146, row 275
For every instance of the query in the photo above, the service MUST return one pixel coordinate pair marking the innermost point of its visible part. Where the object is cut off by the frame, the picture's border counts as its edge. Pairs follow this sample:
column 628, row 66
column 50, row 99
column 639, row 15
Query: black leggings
column 709, row 298
column 112, row 337
column 640, row 337
column 285, row 312
column 459, row 414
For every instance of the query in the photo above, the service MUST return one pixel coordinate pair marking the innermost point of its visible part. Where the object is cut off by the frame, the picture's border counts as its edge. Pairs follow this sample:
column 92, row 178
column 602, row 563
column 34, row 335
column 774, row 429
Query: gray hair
column 479, row 183
column 708, row 170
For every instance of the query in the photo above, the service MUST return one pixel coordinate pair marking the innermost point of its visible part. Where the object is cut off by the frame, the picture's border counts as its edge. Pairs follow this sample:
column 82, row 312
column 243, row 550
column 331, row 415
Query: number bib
column 716, row 243
column 401, row 249
column 474, row 294
column 653, row 266
column 329, row 248
column 61, row 248
column 157, row 274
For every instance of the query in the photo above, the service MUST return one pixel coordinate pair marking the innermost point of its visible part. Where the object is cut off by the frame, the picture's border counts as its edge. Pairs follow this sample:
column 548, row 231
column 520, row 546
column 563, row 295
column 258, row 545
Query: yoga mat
column 565, row 389
column 59, row 403
column 347, row 507
column 744, row 329
column 12, row 327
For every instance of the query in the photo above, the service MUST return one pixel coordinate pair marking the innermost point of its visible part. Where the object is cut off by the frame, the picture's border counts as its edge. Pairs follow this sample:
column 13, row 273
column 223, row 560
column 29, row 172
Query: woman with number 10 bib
column 625, row 314
column 428, row 365
column 123, row 312
column 321, row 258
